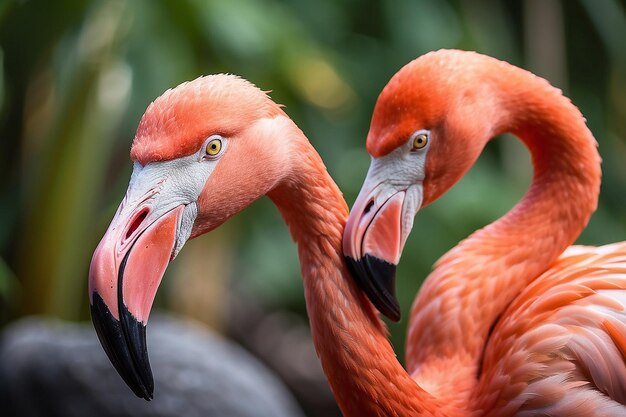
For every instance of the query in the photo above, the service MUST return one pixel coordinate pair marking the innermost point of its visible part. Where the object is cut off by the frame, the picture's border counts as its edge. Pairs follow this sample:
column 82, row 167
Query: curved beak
column 125, row 272
column 374, row 237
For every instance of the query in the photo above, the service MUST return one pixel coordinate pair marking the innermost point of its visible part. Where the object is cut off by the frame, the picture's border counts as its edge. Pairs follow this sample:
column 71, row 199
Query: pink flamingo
column 208, row 148
column 513, row 321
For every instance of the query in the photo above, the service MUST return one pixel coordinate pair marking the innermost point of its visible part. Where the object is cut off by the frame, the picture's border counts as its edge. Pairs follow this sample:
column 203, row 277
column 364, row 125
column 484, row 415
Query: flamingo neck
column 492, row 266
column 350, row 339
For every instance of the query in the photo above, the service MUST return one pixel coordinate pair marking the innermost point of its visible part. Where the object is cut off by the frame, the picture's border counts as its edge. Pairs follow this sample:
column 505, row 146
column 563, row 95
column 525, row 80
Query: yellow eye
column 213, row 147
column 420, row 141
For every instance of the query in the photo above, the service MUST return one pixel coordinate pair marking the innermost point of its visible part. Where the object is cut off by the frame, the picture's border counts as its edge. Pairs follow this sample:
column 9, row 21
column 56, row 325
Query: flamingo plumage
column 513, row 321
column 184, row 184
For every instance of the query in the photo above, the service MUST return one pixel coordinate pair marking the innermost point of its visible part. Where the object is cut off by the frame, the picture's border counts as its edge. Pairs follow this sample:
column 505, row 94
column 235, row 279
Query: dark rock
column 51, row 368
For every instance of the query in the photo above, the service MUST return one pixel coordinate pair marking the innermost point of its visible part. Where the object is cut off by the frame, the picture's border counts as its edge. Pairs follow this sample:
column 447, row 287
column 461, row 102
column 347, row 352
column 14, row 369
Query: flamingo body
column 559, row 348
column 513, row 321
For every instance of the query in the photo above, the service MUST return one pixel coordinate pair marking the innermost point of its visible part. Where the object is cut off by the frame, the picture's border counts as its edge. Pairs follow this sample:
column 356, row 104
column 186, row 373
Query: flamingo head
column 203, row 151
column 429, row 125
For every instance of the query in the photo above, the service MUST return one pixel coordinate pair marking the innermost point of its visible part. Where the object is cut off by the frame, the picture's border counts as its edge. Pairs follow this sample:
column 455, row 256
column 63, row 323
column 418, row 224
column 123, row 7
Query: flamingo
column 513, row 321
column 203, row 151
column 208, row 148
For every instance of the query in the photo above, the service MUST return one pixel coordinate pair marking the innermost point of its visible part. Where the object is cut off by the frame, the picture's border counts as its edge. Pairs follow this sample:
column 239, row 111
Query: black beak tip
column 125, row 344
column 377, row 279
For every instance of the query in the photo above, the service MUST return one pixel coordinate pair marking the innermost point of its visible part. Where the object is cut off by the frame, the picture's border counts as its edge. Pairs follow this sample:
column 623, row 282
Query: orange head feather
column 179, row 121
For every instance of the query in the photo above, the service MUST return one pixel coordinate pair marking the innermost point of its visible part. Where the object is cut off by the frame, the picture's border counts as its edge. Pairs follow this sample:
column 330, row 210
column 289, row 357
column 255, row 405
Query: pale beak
column 374, row 237
column 371, row 246
column 125, row 272
column 124, row 275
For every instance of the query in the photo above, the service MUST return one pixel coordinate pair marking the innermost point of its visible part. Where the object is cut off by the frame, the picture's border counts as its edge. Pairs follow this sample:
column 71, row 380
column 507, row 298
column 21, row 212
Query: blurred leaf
column 609, row 18
column 7, row 281
column 2, row 88
column 72, row 156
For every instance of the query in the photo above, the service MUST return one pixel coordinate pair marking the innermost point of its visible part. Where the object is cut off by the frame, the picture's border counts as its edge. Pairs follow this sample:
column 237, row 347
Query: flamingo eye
column 419, row 141
column 214, row 147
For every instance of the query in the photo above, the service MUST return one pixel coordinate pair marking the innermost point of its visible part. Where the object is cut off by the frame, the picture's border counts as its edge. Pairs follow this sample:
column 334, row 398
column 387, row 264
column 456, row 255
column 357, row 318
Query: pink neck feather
column 350, row 339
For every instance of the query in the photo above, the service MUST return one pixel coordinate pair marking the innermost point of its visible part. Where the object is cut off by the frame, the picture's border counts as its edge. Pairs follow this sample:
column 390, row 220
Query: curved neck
column 491, row 267
column 350, row 339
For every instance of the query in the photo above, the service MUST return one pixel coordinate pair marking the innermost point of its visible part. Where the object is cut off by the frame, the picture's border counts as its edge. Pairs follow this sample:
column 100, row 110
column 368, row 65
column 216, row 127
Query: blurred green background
column 75, row 78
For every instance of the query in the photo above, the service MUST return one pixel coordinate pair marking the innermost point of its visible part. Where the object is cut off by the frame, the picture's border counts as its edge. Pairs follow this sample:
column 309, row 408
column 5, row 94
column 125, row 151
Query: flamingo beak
column 371, row 246
column 125, row 272
column 150, row 226
column 374, row 237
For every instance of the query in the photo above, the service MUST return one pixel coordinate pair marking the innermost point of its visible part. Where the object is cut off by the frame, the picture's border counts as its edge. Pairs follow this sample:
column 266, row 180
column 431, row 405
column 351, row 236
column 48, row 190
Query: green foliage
column 75, row 78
